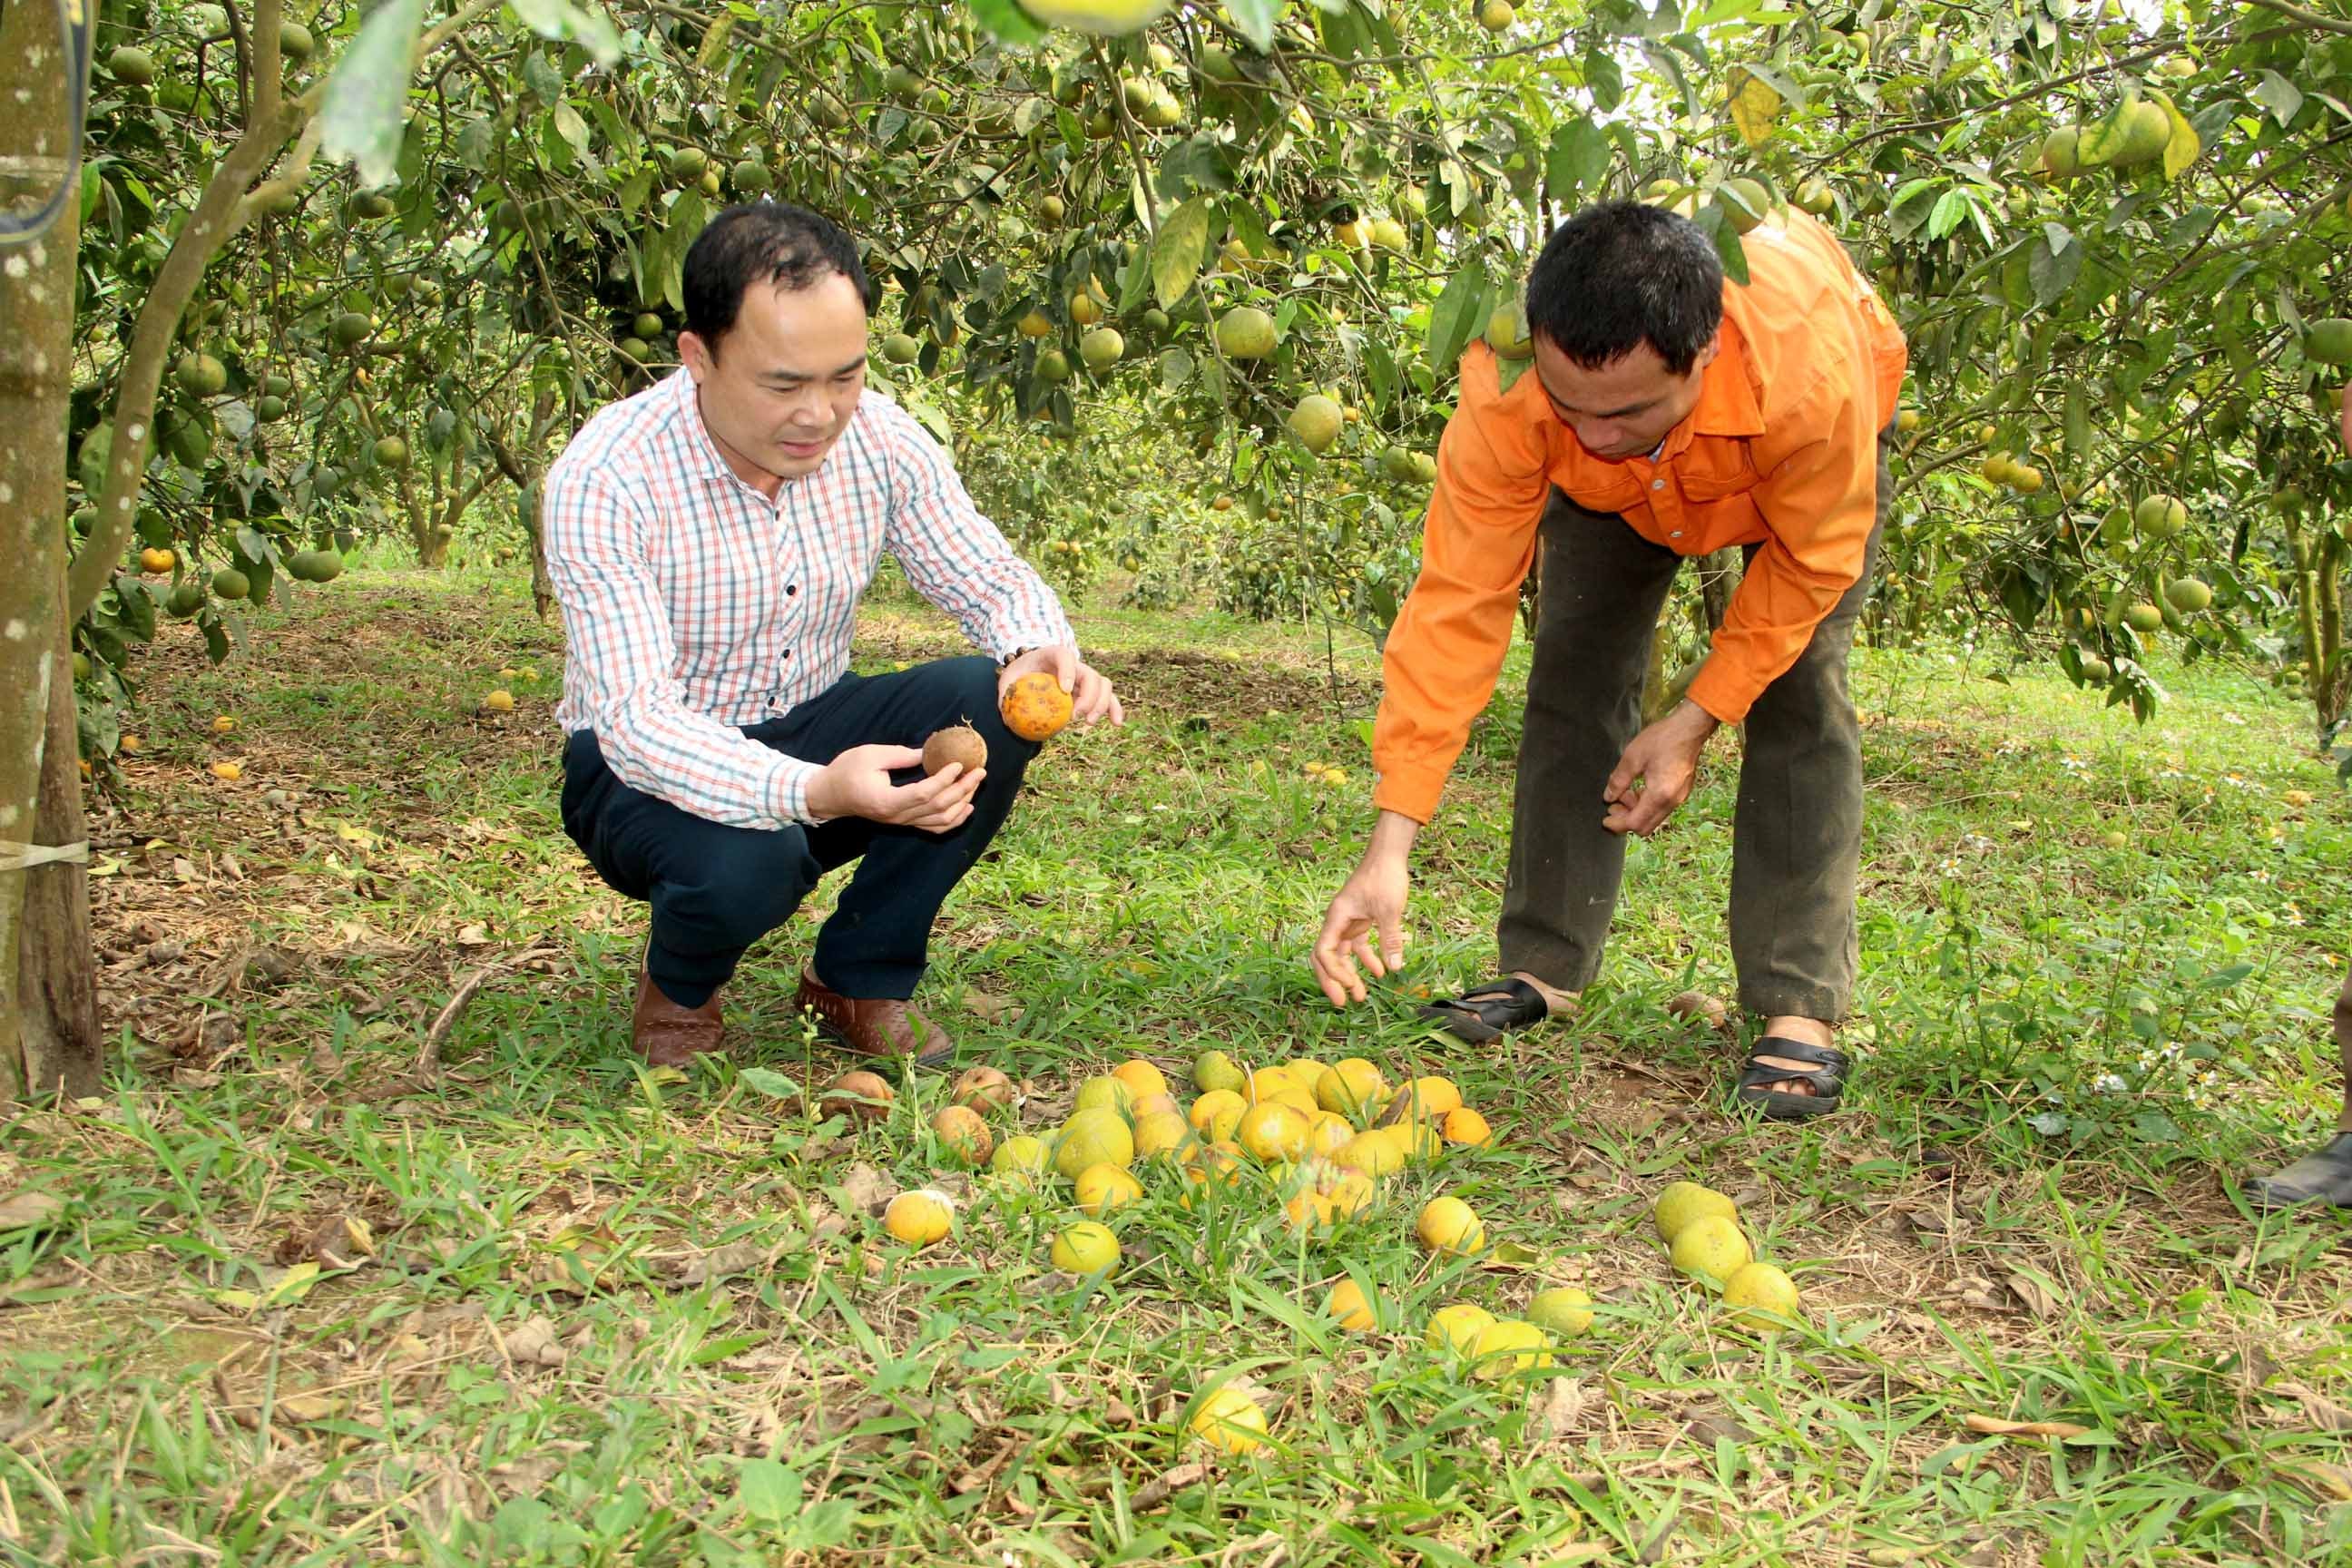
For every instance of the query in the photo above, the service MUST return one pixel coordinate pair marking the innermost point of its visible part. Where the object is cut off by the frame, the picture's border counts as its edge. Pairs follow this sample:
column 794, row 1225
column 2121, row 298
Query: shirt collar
column 695, row 436
column 1726, row 393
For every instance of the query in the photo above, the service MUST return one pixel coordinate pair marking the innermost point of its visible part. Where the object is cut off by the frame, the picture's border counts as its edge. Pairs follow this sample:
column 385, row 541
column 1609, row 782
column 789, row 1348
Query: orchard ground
column 602, row 1317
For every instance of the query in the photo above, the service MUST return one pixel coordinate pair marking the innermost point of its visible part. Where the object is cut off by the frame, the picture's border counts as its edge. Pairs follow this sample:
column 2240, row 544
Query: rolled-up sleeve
column 1819, row 500
column 1446, row 650
column 598, row 545
column 954, row 556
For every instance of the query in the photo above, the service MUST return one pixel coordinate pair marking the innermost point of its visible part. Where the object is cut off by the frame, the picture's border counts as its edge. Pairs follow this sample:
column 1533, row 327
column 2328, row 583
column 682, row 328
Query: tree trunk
column 56, row 963
column 36, row 298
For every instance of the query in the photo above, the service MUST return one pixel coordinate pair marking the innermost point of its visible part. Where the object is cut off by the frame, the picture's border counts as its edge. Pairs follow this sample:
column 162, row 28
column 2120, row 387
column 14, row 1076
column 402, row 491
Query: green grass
column 2025, row 1214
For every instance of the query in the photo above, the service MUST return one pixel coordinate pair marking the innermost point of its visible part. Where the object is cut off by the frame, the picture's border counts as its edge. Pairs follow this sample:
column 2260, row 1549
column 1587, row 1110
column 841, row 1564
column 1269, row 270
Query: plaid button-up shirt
column 694, row 605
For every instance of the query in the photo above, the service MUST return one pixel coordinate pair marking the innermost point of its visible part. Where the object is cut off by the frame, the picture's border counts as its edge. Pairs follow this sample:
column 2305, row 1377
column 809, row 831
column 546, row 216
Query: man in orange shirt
column 1667, row 413
column 2324, row 1175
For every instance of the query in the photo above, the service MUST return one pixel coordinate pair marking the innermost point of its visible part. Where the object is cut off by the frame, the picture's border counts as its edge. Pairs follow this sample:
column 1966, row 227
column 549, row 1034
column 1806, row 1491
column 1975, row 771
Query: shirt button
column 1678, row 533
column 791, row 588
column 1657, row 484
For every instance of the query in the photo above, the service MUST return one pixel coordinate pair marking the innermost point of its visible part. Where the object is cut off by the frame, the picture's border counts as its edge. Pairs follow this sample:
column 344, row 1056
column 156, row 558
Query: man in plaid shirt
column 708, row 540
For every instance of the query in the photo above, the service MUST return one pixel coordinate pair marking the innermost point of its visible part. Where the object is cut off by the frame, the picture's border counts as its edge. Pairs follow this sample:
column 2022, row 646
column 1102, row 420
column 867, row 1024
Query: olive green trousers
column 1797, row 829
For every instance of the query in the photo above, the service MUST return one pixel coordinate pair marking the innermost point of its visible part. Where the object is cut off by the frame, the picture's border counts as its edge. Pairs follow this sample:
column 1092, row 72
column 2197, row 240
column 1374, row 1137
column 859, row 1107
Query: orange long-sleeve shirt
column 1781, row 451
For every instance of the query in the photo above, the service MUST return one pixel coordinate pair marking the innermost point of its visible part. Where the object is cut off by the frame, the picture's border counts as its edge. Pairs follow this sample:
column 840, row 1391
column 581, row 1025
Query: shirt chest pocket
column 1718, row 478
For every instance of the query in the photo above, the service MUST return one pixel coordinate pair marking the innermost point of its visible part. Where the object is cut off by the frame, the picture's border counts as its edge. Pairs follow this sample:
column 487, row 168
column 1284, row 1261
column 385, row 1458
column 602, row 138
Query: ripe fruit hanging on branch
column 2160, row 518
column 1316, row 422
column 2189, row 595
column 1101, row 348
column 2328, row 342
column 1507, row 331
column 1246, row 332
column 960, row 744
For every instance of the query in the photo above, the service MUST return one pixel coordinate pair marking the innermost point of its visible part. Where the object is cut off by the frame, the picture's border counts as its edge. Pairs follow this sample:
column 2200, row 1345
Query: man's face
column 1624, row 408
column 778, row 389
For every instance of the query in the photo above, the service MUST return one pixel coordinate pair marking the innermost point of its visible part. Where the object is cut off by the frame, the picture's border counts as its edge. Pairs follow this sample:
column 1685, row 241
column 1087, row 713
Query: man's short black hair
column 762, row 242
column 1623, row 274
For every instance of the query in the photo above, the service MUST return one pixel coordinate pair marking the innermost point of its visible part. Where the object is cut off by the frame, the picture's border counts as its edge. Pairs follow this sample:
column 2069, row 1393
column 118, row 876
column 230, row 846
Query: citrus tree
column 1186, row 284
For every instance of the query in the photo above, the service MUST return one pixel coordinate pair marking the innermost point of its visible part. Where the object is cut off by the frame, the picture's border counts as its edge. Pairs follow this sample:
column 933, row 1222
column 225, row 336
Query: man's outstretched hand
column 1371, row 905
column 858, row 784
column 1657, row 770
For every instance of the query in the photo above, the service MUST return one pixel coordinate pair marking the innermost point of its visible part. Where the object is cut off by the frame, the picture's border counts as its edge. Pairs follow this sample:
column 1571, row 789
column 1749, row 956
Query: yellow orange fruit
column 1327, row 1133
column 1347, row 1306
column 1229, row 1421
column 920, row 1217
column 1507, row 1347
column 1105, row 1093
column 1457, row 1326
column 1267, row 1082
column 1350, row 1193
column 1085, row 1247
column 1432, row 1096
column 1273, row 1130
column 1161, row 1133
column 1564, row 1311
column 1680, row 1203
column 1020, row 1155
column 1216, row 1113
column 1347, row 1088
column 1378, row 1152
column 1102, row 1188
column 1760, row 1294
column 1140, row 1077
column 1711, row 1250
column 1464, row 1126
column 1421, row 1141
column 1307, row 1210
column 228, row 773
column 1449, row 1224
column 1162, row 1104
column 1098, row 1136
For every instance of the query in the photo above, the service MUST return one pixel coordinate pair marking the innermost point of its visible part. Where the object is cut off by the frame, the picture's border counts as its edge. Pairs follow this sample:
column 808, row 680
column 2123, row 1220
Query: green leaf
column 1579, row 160
column 768, row 1081
column 1603, row 79
column 1728, row 251
column 1256, row 18
column 366, row 97
column 768, row 1491
column 1460, row 311
column 571, row 127
column 562, row 20
column 2052, row 272
column 2078, row 419
column 1178, row 249
column 2278, row 95
column 1007, row 23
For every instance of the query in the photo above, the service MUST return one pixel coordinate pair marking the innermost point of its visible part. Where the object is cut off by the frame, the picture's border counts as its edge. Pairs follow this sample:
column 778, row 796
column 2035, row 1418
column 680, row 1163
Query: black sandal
column 2324, row 1176
column 1490, row 1011
column 1826, row 1074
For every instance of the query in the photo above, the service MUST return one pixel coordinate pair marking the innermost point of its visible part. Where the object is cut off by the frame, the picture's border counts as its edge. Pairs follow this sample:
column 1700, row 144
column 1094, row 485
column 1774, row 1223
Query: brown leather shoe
column 874, row 1026
column 669, row 1035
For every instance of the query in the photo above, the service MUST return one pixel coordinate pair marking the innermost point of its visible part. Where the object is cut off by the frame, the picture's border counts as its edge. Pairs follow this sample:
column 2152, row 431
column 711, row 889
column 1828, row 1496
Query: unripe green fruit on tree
column 392, row 452
column 900, row 349
column 294, row 42
column 1316, row 422
column 1246, row 332
column 647, row 326
column 201, row 376
column 1102, row 348
column 134, row 66
column 2188, row 595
